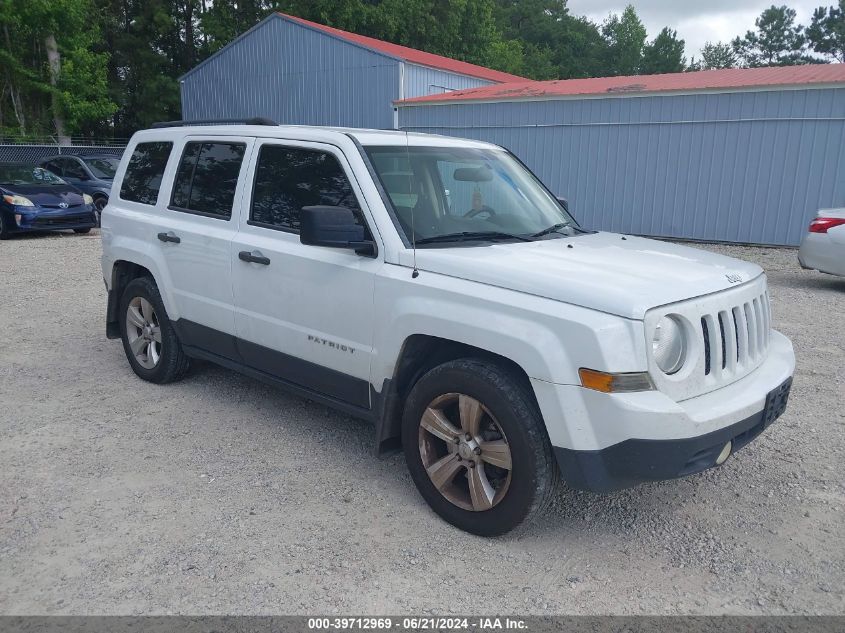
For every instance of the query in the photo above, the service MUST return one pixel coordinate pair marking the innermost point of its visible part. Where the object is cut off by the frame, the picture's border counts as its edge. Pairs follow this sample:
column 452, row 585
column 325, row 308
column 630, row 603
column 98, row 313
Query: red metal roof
column 412, row 55
column 732, row 78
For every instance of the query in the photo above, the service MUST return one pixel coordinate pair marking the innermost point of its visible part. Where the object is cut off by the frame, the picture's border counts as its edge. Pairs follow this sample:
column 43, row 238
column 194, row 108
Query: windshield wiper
column 552, row 229
column 465, row 236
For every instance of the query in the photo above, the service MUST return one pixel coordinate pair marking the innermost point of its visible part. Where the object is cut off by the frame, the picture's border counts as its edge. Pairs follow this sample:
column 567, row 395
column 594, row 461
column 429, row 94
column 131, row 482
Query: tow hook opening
column 726, row 452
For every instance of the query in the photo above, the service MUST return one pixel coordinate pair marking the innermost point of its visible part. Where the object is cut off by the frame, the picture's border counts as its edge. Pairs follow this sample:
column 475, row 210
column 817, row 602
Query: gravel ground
column 222, row 495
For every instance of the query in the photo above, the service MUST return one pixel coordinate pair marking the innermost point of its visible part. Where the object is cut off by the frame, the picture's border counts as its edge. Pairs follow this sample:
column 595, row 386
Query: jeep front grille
column 736, row 337
column 728, row 336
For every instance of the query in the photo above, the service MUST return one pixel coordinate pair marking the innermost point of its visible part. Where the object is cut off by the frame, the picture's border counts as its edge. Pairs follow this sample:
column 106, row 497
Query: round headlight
column 669, row 345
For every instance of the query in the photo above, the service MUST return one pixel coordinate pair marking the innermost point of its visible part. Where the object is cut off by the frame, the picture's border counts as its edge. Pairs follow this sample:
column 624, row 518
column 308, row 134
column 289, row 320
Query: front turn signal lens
column 615, row 383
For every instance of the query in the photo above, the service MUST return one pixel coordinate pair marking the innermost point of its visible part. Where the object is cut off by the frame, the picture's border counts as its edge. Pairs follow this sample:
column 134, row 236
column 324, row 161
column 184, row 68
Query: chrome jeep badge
column 733, row 278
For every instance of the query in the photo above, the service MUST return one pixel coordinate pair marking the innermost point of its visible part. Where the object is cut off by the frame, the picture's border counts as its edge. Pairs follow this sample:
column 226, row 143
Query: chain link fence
column 34, row 150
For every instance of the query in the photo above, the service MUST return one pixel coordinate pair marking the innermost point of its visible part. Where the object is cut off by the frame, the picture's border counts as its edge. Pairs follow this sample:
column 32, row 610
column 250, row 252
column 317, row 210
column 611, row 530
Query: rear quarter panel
column 127, row 227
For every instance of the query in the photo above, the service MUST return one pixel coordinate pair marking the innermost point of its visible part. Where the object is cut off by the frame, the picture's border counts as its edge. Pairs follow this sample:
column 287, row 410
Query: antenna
column 415, row 273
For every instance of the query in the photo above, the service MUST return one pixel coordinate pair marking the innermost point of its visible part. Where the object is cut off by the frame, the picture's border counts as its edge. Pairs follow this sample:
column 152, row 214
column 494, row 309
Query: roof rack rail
column 257, row 120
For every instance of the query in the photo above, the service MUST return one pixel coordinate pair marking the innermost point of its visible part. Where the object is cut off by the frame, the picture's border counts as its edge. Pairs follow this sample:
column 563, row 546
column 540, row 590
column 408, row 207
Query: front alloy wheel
column 476, row 446
column 465, row 452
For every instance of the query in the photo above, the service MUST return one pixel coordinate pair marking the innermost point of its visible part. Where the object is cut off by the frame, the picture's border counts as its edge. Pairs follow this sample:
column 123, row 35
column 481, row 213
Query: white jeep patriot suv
column 434, row 286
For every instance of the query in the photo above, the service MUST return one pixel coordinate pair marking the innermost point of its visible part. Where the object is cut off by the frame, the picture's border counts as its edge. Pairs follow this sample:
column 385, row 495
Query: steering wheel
column 474, row 212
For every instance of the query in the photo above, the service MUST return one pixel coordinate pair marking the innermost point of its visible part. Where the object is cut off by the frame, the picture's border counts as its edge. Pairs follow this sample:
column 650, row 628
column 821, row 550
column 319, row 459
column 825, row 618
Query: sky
column 696, row 21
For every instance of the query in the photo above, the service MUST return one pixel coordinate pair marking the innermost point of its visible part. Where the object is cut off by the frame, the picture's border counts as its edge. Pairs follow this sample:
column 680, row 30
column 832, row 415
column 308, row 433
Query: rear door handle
column 169, row 237
column 255, row 257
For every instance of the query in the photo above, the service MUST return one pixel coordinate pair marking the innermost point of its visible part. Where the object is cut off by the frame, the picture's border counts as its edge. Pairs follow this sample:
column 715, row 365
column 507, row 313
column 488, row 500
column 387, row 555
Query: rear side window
column 288, row 178
column 142, row 180
column 207, row 178
column 54, row 167
column 72, row 168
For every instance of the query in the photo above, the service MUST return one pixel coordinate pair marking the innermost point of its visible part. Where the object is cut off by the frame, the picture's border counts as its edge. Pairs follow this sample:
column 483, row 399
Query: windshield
column 102, row 167
column 27, row 175
column 446, row 191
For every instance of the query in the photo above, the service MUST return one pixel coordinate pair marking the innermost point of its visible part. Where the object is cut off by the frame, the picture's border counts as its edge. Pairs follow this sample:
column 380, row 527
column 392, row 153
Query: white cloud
column 696, row 22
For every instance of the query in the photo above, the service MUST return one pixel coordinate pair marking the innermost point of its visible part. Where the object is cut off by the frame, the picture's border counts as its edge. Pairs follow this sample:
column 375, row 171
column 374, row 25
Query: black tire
column 4, row 232
column 99, row 204
column 82, row 231
column 534, row 473
column 173, row 363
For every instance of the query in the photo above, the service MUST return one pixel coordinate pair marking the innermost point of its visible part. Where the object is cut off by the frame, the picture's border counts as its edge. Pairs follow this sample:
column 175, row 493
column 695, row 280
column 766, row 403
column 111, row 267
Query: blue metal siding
column 422, row 80
column 748, row 167
column 295, row 75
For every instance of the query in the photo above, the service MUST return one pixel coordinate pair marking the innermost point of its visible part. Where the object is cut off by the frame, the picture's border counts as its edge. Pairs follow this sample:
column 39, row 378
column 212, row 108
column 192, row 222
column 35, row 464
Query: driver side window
column 289, row 178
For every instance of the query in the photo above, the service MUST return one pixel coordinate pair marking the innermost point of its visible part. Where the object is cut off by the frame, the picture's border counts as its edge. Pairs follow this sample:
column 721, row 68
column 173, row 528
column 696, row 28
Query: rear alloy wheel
column 149, row 340
column 143, row 332
column 476, row 446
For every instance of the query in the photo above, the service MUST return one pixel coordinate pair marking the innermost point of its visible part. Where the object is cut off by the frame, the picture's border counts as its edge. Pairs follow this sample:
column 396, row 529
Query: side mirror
column 335, row 227
column 564, row 203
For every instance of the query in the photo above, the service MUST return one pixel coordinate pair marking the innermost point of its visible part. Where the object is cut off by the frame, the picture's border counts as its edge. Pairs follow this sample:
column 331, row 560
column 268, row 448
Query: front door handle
column 169, row 237
column 254, row 257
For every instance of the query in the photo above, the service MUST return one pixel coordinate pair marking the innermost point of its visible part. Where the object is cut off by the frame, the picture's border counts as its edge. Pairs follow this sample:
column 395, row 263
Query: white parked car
column 434, row 286
column 823, row 247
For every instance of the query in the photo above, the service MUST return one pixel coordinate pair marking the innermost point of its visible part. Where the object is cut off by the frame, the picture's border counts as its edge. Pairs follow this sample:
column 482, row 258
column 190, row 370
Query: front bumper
column 48, row 219
column 635, row 461
column 609, row 441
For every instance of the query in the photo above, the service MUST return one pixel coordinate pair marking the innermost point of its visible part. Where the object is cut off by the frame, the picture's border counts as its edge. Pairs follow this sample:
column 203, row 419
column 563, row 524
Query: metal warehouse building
column 299, row 72
column 742, row 155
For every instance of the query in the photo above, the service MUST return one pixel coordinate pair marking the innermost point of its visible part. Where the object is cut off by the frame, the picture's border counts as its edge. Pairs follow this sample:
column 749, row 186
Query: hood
column 619, row 275
column 47, row 195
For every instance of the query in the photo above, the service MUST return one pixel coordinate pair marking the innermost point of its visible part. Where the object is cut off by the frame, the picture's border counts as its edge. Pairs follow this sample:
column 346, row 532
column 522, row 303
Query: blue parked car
column 34, row 199
column 90, row 174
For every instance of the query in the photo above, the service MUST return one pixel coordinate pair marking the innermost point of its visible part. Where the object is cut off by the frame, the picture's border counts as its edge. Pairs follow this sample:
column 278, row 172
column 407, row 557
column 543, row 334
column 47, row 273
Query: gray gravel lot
column 222, row 495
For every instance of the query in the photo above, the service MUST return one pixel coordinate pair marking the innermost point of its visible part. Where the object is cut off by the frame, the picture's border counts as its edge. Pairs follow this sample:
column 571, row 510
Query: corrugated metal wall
column 421, row 81
column 295, row 75
column 749, row 167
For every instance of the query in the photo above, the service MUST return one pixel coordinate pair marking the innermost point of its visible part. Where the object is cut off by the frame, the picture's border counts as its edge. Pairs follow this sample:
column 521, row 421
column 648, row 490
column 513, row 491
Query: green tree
column 664, row 54
column 718, row 55
column 777, row 40
column 826, row 33
column 54, row 81
column 150, row 44
column 222, row 21
column 464, row 29
column 625, row 38
column 18, row 76
column 555, row 43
